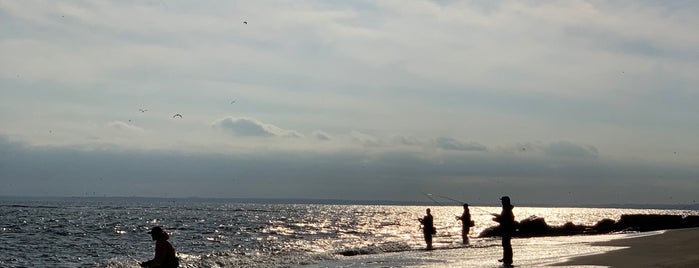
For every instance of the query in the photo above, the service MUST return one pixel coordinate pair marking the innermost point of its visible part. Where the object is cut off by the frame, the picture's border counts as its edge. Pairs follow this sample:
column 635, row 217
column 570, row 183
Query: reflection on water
column 110, row 232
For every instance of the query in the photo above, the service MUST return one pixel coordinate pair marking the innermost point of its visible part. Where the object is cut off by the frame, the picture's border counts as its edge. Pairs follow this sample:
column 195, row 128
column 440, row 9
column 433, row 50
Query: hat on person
column 156, row 230
column 505, row 198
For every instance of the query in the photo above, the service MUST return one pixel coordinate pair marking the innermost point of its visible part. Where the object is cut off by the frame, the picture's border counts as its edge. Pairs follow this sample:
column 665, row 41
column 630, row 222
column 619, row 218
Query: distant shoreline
column 344, row 202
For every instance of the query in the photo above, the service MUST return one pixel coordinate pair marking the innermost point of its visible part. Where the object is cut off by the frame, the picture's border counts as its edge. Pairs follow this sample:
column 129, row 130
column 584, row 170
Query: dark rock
column 691, row 221
column 570, row 228
column 354, row 252
column 604, row 226
column 533, row 226
column 490, row 232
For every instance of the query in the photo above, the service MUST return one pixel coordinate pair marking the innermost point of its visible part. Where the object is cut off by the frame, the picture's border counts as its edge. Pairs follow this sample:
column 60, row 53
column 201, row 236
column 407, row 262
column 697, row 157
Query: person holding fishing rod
column 507, row 228
column 428, row 228
column 466, row 223
column 164, row 252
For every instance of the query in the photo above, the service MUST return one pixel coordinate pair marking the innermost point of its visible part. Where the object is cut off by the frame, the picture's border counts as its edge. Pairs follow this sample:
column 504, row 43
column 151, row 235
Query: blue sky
column 565, row 102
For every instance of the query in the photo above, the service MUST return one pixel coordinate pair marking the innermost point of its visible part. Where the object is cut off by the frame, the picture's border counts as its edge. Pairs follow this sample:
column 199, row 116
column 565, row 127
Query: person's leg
column 507, row 250
column 464, row 236
column 428, row 239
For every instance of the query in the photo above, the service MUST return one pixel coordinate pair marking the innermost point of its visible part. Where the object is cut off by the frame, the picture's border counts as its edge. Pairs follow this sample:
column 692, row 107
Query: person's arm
column 496, row 217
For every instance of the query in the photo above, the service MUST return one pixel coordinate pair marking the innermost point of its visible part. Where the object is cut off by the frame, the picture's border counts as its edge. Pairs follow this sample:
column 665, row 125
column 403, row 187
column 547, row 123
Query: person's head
column 465, row 206
column 157, row 233
column 505, row 200
column 427, row 211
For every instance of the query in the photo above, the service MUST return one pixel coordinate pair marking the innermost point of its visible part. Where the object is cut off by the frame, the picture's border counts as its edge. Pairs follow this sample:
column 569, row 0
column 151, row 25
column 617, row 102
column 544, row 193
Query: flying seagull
column 143, row 110
column 233, row 101
column 176, row 115
column 245, row 22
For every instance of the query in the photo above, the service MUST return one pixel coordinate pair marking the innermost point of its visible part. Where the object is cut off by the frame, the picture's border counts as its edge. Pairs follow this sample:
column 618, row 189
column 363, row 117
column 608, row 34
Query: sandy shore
column 673, row 248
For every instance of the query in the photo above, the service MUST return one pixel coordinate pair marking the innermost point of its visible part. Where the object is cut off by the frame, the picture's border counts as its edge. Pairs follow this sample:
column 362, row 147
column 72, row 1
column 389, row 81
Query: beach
column 672, row 248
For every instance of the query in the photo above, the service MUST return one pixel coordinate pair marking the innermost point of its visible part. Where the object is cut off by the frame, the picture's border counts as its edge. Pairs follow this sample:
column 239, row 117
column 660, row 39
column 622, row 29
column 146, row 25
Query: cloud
column 447, row 143
column 124, row 127
column 346, row 175
column 365, row 139
column 407, row 140
column 569, row 149
column 7, row 145
column 320, row 135
column 250, row 127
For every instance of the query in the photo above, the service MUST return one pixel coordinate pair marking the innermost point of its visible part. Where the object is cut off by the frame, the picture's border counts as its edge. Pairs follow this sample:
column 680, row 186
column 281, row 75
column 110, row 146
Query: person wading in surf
column 164, row 252
column 466, row 223
column 428, row 228
column 507, row 227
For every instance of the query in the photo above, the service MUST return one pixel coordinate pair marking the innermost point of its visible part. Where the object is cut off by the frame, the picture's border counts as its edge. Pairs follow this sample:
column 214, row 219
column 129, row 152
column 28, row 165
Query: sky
column 552, row 102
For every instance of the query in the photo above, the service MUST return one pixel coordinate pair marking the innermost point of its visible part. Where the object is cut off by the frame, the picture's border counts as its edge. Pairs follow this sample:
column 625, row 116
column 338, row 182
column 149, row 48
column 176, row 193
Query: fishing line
column 102, row 240
column 452, row 199
column 430, row 197
column 109, row 244
column 438, row 203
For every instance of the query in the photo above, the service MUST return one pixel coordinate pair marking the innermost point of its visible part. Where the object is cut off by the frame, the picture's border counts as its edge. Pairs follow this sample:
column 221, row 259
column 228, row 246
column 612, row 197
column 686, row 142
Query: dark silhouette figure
column 507, row 227
column 164, row 252
column 466, row 223
column 428, row 228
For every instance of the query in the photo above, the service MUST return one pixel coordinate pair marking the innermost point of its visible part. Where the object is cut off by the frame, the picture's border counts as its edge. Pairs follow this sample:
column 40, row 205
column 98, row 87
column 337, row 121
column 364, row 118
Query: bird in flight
column 143, row 110
column 245, row 22
column 233, row 101
column 176, row 115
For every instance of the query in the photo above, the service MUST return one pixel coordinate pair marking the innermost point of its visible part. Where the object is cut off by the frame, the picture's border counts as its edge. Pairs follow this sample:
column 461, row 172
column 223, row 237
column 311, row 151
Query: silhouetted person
column 428, row 228
column 507, row 227
column 164, row 252
column 466, row 223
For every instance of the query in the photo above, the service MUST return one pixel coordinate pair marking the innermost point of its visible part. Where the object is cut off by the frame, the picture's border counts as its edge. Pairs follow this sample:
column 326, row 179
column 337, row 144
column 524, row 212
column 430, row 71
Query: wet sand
column 673, row 248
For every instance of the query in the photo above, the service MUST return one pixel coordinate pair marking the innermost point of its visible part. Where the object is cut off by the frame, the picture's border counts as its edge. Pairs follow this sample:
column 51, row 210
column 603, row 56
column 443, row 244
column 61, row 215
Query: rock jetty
column 534, row 226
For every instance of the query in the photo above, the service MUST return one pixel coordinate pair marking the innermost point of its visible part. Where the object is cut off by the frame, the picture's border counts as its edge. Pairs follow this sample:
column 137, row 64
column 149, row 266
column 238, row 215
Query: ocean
column 112, row 232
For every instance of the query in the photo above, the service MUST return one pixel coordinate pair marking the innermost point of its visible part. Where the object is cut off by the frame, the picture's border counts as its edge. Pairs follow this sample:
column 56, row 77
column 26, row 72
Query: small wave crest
column 376, row 249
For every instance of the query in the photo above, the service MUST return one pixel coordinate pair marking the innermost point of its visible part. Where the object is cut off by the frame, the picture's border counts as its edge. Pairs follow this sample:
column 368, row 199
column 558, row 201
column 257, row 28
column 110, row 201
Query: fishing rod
column 109, row 244
column 461, row 202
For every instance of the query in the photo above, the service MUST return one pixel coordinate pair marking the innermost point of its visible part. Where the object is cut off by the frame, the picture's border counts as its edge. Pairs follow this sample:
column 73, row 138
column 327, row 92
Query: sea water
column 112, row 232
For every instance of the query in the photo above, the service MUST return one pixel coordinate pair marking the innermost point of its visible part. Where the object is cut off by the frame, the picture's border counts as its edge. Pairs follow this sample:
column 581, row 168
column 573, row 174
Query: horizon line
column 330, row 201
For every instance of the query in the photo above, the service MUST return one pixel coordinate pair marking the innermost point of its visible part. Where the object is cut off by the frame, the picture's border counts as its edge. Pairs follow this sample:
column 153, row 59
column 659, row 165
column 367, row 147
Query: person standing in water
column 428, row 228
column 164, row 252
column 466, row 223
column 507, row 227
